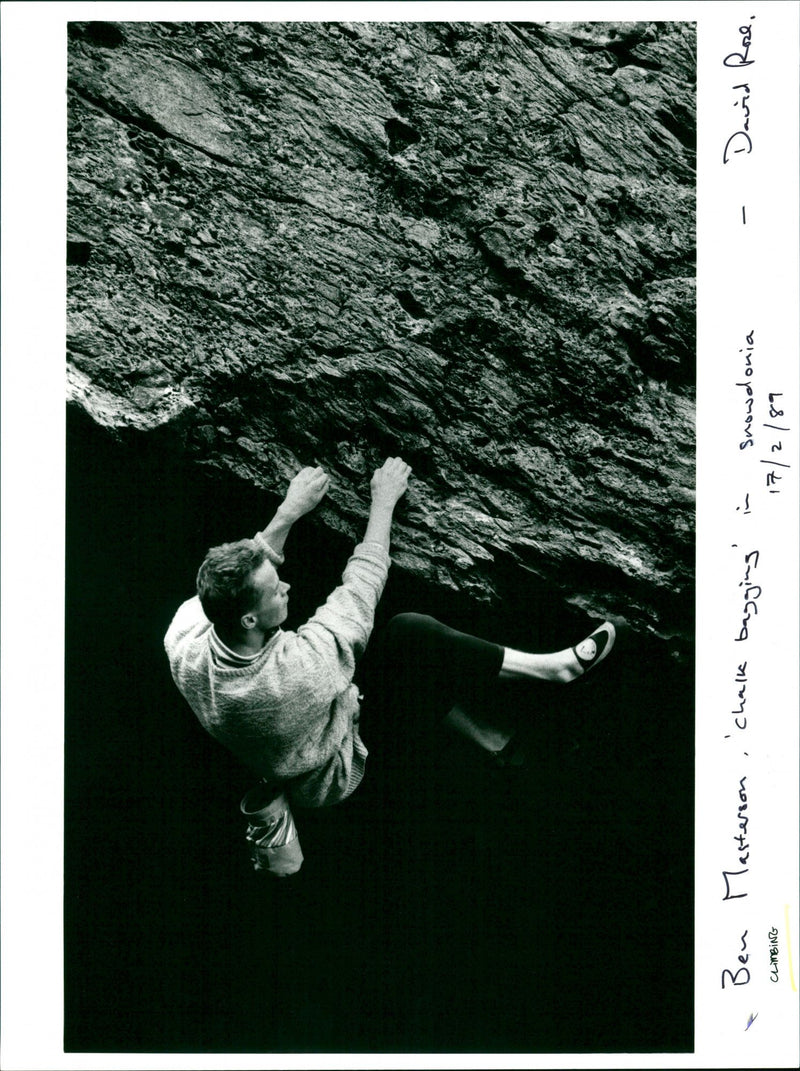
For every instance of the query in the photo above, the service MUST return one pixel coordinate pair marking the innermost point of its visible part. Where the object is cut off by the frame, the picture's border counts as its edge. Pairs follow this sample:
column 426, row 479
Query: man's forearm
column 379, row 525
column 306, row 490
column 279, row 527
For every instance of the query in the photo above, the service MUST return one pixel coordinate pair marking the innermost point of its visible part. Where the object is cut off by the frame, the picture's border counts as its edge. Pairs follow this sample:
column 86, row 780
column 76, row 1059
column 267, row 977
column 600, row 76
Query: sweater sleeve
column 342, row 626
column 272, row 554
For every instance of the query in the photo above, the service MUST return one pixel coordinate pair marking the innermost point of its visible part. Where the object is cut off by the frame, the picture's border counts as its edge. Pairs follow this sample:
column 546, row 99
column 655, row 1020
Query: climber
column 285, row 702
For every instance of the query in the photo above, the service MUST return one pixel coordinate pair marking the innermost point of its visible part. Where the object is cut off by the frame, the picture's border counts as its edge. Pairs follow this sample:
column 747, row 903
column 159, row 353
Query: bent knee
column 415, row 633
column 411, row 620
column 411, row 624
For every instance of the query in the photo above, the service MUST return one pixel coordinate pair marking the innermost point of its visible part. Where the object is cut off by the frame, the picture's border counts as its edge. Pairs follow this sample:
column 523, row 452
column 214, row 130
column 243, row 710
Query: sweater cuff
column 372, row 547
column 274, row 557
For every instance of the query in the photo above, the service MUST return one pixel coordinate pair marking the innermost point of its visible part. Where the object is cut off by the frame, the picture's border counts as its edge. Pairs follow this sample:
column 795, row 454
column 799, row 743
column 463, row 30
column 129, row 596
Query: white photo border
column 747, row 551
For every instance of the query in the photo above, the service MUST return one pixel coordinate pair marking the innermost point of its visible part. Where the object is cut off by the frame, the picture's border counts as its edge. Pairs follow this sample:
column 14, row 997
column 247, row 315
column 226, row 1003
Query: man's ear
column 247, row 621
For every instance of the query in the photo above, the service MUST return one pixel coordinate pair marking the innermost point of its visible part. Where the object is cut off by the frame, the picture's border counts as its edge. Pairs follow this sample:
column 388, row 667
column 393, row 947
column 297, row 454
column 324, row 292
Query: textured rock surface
column 471, row 244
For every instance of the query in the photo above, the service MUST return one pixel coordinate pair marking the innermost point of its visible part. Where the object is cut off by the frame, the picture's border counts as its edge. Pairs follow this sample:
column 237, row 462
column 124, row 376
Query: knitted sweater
column 292, row 712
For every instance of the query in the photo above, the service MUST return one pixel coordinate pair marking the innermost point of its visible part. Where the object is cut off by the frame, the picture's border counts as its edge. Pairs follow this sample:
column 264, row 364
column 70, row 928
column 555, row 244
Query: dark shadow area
column 547, row 908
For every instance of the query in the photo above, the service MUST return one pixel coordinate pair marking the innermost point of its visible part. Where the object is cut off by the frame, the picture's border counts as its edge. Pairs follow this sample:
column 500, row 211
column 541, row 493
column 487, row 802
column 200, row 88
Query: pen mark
column 751, row 1020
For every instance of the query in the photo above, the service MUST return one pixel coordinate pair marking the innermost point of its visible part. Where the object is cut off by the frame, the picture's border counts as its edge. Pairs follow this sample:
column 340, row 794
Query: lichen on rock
column 471, row 244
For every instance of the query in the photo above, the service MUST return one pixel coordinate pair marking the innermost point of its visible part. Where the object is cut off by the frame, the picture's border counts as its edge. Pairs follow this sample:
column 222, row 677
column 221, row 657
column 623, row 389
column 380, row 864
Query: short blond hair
column 225, row 580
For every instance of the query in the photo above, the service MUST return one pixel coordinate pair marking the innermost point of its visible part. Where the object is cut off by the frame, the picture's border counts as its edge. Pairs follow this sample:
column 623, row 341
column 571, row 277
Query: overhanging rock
column 469, row 244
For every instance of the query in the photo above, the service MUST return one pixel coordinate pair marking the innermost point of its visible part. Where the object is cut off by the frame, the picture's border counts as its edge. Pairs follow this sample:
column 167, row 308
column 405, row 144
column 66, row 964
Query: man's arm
column 309, row 486
column 339, row 630
column 306, row 490
column 388, row 485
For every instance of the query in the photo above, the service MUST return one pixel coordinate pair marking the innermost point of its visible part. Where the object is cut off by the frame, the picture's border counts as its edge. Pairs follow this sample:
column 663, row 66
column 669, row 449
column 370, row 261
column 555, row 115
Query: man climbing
column 285, row 702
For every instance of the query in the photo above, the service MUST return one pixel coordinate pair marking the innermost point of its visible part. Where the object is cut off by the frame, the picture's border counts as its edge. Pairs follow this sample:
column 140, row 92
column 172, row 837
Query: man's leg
column 450, row 674
column 414, row 671
column 490, row 736
column 561, row 667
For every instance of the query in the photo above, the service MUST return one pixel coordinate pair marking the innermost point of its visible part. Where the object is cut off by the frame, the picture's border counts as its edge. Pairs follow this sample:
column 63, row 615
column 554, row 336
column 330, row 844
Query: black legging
column 419, row 668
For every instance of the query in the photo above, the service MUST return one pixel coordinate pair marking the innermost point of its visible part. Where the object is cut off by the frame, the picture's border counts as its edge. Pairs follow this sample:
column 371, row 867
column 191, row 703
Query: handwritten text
column 752, row 593
column 744, row 848
column 740, row 141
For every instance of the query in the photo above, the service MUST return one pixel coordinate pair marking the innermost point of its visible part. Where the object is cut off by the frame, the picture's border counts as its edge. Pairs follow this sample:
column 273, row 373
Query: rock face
column 467, row 243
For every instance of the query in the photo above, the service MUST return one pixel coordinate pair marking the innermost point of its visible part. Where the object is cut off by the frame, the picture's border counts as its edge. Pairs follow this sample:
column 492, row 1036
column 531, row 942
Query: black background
column 541, row 909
